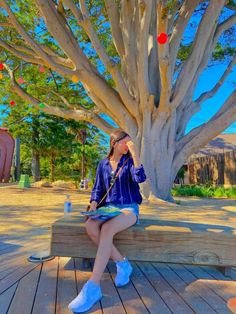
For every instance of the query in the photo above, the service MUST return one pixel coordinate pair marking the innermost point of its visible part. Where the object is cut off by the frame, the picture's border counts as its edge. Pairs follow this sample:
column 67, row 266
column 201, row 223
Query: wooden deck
column 48, row 288
column 154, row 288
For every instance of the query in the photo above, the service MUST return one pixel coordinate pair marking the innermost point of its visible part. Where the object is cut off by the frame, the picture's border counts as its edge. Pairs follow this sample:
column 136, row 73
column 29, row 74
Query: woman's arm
column 137, row 170
column 98, row 190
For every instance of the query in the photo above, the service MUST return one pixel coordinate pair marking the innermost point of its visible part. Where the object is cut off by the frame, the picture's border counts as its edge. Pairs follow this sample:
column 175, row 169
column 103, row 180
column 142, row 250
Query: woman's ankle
column 95, row 281
column 121, row 259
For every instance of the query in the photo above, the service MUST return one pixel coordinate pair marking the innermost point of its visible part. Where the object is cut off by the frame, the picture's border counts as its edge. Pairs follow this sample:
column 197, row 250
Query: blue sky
column 208, row 79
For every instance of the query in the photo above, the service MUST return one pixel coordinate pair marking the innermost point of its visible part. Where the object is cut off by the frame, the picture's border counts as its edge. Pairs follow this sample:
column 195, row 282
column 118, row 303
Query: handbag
column 112, row 184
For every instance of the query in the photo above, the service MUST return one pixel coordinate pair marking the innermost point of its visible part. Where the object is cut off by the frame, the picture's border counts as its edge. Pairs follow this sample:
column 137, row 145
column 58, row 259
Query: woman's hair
column 116, row 136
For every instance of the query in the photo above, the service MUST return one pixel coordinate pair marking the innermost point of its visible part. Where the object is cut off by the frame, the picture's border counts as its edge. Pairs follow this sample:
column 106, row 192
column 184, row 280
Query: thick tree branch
column 209, row 94
column 87, row 73
column 185, row 14
column 21, row 55
column 187, row 101
column 223, row 27
column 164, row 62
column 6, row 24
column 200, row 136
column 86, row 23
column 145, row 15
column 153, row 66
column 35, row 46
column 203, row 37
column 129, row 24
column 75, row 114
column 28, row 55
column 114, row 17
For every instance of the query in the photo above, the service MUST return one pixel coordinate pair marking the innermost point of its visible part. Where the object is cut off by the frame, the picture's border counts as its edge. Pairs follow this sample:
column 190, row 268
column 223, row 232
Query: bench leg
column 86, row 262
column 225, row 270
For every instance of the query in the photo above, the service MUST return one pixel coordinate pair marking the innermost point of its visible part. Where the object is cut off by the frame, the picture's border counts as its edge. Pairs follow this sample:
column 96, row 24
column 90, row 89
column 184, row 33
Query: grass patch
column 204, row 191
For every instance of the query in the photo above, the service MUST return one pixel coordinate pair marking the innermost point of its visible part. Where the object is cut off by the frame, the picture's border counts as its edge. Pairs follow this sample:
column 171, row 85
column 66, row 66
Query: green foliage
column 232, row 4
column 204, row 191
column 221, row 52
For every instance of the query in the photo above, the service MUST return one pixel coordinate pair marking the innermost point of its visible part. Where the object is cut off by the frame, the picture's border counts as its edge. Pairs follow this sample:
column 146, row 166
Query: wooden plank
column 5, row 245
column 149, row 296
column 46, row 293
column 25, row 293
column 130, row 298
column 224, row 289
column 198, row 287
column 233, row 273
column 17, row 275
column 111, row 302
column 196, row 244
column 15, row 263
column 216, row 273
column 196, row 302
column 167, row 293
column 66, row 287
column 6, row 298
column 82, row 275
column 29, row 248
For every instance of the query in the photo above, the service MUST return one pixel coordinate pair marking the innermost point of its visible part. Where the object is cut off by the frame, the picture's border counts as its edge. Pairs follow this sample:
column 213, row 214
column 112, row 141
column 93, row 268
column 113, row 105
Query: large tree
column 146, row 88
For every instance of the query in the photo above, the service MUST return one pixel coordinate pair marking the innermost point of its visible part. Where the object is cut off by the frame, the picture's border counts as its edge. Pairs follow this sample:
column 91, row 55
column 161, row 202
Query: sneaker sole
column 76, row 311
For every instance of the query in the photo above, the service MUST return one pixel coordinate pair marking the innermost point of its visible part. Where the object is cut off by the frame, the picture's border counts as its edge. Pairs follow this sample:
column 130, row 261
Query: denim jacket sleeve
column 138, row 173
column 99, row 189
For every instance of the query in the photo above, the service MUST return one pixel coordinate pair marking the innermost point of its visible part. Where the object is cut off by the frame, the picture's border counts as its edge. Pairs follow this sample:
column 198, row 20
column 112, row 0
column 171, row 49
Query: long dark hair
column 116, row 136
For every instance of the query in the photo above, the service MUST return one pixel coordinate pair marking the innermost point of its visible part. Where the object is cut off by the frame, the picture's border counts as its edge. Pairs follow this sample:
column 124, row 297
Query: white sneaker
column 88, row 296
column 124, row 270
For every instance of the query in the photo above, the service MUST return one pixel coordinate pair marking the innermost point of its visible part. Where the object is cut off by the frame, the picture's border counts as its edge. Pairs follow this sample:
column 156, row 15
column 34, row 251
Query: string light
column 75, row 79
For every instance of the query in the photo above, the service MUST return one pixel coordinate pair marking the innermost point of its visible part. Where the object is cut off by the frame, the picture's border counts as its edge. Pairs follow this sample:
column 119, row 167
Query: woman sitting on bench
column 123, row 170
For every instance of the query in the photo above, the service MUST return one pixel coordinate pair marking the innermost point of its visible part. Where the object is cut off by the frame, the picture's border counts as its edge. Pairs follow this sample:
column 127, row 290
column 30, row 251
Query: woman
column 124, row 195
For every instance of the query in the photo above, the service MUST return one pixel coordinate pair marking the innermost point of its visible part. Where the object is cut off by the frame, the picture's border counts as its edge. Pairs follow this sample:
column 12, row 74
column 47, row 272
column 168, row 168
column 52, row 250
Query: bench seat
column 152, row 240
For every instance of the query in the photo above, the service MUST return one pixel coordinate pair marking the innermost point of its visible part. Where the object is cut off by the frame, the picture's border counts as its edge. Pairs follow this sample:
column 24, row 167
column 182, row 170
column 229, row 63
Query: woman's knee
column 92, row 228
column 107, row 229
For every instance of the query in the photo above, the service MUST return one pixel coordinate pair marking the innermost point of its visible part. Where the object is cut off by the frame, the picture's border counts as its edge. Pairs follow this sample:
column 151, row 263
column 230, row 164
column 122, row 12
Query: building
column 214, row 164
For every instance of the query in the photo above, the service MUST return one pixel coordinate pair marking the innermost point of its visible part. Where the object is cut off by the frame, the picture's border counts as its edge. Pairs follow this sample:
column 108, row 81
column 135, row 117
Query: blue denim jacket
column 126, row 187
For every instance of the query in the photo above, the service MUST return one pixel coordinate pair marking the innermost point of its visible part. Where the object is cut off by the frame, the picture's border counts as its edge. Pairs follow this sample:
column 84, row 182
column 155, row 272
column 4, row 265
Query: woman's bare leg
column 108, row 230
column 93, row 231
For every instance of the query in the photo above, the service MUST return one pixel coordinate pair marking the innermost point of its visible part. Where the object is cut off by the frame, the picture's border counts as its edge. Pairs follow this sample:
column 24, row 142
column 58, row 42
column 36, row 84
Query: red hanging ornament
column 41, row 69
column 21, row 80
column 162, row 38
column 1, row 66
column 12, row 103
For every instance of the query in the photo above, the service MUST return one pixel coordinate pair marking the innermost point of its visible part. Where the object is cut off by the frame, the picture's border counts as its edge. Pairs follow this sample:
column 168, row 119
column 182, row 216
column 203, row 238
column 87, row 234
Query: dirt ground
column 29, row 213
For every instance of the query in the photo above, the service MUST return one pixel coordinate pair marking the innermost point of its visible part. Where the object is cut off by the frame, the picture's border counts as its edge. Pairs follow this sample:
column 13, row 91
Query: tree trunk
column 36, row 166
column 53, row 159
column 156, row 144
column 83, row 162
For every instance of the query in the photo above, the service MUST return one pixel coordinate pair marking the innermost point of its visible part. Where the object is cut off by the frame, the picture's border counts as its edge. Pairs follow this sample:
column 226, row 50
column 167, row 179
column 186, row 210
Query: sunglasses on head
column 120, row 138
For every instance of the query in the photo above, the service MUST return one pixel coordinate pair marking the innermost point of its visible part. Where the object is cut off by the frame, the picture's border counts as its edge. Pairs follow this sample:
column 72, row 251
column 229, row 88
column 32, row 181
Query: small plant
column 204, row 191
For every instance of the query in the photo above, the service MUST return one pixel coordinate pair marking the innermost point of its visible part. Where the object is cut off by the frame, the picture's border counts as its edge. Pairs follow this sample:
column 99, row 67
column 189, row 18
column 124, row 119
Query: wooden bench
column 153, row 240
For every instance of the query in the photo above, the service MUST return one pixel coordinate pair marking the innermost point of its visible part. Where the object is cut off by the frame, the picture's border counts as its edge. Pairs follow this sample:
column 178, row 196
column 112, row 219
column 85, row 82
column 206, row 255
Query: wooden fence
column 214, row 169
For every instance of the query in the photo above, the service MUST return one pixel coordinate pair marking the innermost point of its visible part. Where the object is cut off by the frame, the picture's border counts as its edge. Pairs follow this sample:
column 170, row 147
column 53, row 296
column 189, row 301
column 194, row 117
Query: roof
column 220, row 144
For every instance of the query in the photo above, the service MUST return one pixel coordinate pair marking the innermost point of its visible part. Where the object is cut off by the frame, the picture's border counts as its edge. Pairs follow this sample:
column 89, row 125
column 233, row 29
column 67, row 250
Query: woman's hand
column 93, row 206
column 134, row 152
column 132, row 148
